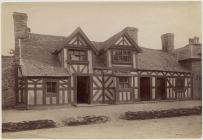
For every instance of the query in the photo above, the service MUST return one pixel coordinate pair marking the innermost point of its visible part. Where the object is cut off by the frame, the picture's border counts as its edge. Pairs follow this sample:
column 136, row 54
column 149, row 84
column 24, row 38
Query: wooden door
column 144, row 88
column 83, row 89
column 160, row 88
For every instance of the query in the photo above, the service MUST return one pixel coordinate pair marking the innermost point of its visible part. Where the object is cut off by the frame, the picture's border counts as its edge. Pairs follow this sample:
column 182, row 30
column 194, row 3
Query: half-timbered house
column 56, row 70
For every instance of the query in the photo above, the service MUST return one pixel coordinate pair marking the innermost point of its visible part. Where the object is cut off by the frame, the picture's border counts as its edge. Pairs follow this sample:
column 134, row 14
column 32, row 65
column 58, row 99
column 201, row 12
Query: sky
column 102, row 20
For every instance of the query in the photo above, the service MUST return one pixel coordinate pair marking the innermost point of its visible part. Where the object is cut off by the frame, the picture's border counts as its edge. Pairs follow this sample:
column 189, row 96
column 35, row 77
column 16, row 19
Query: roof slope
column 151, row 59
column 37, row 58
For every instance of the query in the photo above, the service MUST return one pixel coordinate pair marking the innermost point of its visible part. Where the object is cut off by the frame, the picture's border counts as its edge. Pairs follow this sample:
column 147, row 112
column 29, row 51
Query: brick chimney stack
column 167, row 42
column 21, row 31
column 20, row 25
column 132, row 31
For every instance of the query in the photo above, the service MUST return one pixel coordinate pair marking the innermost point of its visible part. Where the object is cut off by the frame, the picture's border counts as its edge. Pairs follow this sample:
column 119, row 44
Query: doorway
column 160, row 88
column 83, row 89
column 144, row 88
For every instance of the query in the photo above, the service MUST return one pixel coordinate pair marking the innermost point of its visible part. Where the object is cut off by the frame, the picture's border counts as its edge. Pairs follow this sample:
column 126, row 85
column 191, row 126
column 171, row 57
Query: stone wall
column 8, row 82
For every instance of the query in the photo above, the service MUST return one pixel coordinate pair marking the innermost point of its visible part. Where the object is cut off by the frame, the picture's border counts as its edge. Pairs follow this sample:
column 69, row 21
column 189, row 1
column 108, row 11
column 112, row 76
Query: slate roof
column 151, row 59
column 38, row 58
column 98, row 45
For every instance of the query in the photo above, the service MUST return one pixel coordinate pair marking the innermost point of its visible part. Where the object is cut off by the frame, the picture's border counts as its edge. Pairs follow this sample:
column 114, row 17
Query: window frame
column 78, row 51
column 122, row 55
column 53, row 92
column 124, row 83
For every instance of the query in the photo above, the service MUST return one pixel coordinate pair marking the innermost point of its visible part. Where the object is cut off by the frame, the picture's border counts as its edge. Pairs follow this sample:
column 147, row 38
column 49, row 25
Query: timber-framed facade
column 55, row 70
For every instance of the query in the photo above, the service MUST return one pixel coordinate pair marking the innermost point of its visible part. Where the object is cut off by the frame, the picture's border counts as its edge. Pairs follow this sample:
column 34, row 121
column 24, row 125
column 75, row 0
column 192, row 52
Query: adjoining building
column 56, row 70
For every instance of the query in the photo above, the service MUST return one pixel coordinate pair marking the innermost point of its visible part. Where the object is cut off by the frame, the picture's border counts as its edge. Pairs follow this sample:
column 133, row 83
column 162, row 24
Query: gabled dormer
column 77, row 50
column 76, row 53
column 121, row 49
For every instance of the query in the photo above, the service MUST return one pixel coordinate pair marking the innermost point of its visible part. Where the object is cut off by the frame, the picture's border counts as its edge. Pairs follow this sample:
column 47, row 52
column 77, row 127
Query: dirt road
column 113, row 111
column 184, row 127
column 177, row 127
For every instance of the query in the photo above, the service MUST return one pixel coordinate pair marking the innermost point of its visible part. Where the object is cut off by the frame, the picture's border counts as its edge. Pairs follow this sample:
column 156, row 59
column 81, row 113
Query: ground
column 184, row 127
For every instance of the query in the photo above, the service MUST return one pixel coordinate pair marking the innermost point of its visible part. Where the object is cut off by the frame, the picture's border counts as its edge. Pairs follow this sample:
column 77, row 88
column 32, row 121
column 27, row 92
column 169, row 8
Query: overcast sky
column 101, row 20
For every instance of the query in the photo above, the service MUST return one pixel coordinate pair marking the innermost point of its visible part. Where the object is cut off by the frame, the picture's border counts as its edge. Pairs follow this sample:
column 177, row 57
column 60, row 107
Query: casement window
column 51, row 87
column 122, row 56
column 180, row 83
column 77, row 55
column 124, row 82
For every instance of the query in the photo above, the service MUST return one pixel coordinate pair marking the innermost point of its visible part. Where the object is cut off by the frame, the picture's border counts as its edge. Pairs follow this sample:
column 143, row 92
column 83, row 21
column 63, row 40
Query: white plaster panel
column 72, row 96
column 136, row 93
column 47, row 100
column 31, row 97
column 30, row 86
column 65, row 52
column 90, row 61
column 136, row 81
column 134, row 60
column 153, row 81
column 153, row 93
column 66, row 96
column 53, row 100
column 39, row 97
column 60, row 96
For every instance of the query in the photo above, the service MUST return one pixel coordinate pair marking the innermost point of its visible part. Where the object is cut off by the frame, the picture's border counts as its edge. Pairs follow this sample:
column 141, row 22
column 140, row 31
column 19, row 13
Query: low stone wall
column 85, row 120
column 39, row 124
column 27, row 125
column 142, row 115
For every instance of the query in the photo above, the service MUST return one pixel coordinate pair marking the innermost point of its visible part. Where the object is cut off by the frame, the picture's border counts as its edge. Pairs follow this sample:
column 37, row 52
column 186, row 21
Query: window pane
column 124, row 82
column 121, row 55
column 119, row 52
column 114, row 52
column 82, row 58
column 51, row 87
column 115, row 57
column 180, row 82
column 70, row 52
column 82, row 53
column 76, row 55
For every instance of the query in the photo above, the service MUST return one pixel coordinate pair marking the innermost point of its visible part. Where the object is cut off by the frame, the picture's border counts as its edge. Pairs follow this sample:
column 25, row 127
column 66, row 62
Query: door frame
column 150, row 87
column 75, row 76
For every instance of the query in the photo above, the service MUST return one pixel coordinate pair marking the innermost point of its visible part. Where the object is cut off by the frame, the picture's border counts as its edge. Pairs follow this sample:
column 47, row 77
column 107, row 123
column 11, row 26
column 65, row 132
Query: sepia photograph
column 102, row 70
